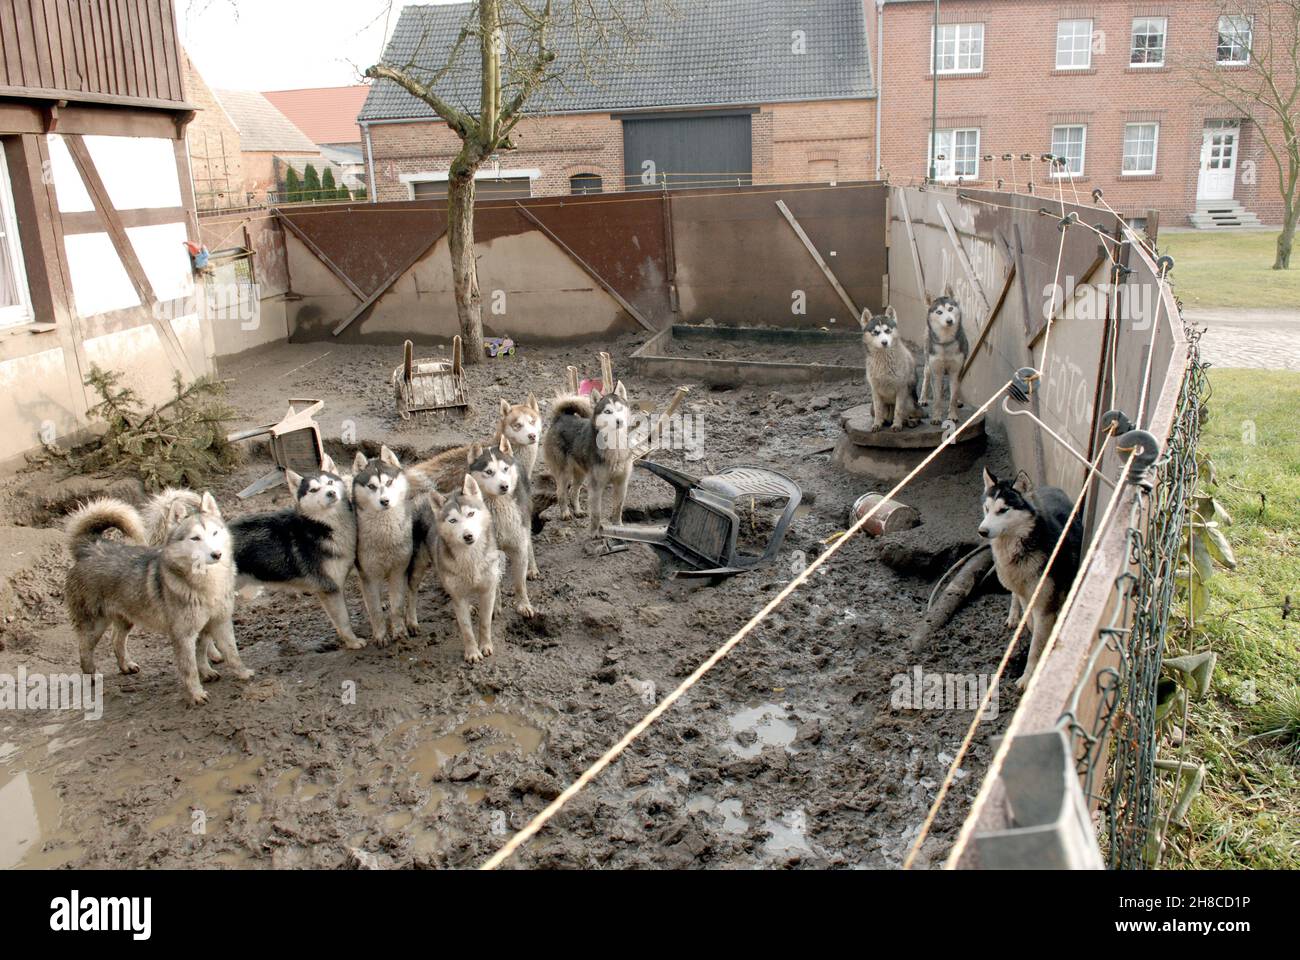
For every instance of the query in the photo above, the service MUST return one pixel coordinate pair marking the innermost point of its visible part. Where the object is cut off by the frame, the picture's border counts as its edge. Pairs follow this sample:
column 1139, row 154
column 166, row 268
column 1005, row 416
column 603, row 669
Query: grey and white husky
column 587, row 441
column 183, row 589
column 1024, row 526
column 891, row 371
column 308, row 548
column 394, row 548
column 468, row 563
column 946, row 350
column 504, row 486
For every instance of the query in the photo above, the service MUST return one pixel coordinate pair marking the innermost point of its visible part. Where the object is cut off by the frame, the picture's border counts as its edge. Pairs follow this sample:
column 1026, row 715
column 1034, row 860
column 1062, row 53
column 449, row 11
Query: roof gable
column 261, row 126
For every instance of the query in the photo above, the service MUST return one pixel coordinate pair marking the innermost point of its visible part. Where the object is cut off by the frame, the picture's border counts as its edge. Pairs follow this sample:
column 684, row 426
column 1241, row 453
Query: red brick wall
column 792, row 143
column 1020, row 96
column 214, row 148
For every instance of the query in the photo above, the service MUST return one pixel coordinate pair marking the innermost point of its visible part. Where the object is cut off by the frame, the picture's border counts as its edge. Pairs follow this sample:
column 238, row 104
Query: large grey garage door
column 684, row 151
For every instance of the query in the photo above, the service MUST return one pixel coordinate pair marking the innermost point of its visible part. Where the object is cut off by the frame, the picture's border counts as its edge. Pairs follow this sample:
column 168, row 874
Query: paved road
column 1255, row 339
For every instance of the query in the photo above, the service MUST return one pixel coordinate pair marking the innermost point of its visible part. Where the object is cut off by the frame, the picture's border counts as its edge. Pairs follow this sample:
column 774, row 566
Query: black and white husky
column 946, row 350
column 1024, row 527
column 394, row 546
column 468, row 562
column 588, row 441
column 504, row 485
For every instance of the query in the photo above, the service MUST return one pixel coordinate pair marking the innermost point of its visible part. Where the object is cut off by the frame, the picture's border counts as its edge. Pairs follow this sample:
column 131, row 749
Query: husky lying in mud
column 182, row 588
column 1024, row 526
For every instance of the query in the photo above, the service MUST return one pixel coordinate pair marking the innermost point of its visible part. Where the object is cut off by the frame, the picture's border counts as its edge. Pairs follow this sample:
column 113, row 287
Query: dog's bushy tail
column 443, row 471
column 159, row 508
column 572, row 405
column 86, row 524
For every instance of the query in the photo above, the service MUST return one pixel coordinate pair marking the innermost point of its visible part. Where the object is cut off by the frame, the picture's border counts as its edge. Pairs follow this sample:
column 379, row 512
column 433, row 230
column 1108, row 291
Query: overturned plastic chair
column 701, row 534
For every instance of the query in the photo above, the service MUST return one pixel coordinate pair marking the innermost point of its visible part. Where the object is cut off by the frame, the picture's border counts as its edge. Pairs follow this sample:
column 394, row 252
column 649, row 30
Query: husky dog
column 891, row 371
column 504, row 486
column 183, row 588
column 467, row 561
column 588, row 441
column 393, row 542
column 521, row 424
column 308, row 548
column 1024, row 527
column 946, row 352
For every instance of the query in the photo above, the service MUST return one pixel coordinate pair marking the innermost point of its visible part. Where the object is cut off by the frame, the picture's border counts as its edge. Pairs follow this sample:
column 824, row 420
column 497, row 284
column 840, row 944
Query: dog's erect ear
column 1022, row 484
column 532, row 402
column 929, row 300
column 470, row 486
column 387, row 456
column 891, row 313
column 327, row 465
column 504, row 446
column 504, row 406
column 208, row 505
column 178, row 511
column 594, row 396
column 359, row 462
column 293, row 481
column 620, row 391
column 947, row 291
column 989, row 479
column 437, row 499
column 865, row 318
column 474, row 452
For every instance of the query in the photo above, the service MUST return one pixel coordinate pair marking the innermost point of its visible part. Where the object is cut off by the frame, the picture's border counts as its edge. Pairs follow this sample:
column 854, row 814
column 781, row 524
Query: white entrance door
column 1218, row 177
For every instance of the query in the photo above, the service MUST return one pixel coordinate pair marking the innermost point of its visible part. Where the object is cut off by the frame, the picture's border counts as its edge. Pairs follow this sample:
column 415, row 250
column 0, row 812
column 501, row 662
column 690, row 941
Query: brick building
column 1104, row 82
column 268, row 141
column 719, row 92
column 213, row 140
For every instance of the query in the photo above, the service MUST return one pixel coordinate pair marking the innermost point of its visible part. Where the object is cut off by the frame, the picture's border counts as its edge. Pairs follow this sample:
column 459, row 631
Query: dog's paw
column 486, row 648
column 875, row 427
column 208, row 675
column 1023, row 681
column 412, row 628
column 566, row 514
column 198, row 697
column 896, row 428
column 380, row 640
column 215, row 655
column 130, row 667
column 525, row 609
column 935, row 422
column 353, row 643
column 245, row 674
column 473, row 655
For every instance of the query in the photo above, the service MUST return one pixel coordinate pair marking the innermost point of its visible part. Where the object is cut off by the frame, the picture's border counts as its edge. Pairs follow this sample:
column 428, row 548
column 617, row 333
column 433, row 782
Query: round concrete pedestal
column 889, row 455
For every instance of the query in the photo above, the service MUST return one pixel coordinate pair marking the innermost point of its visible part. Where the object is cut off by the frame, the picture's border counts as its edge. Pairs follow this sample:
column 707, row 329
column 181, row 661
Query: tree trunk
column 460, row 241
column 1286, row 239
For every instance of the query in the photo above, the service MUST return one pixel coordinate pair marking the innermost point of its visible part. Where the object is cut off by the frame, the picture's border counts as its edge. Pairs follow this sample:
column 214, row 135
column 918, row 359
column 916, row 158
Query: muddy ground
column 789, row 753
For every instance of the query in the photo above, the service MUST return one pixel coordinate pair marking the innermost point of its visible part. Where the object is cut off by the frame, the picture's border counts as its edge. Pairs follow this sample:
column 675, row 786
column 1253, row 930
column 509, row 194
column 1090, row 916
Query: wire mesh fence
column 1118, row 744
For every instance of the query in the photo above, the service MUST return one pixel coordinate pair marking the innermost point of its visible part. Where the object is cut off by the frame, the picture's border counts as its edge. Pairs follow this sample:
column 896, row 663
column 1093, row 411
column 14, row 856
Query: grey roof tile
column 261, row 126
column 701, row 53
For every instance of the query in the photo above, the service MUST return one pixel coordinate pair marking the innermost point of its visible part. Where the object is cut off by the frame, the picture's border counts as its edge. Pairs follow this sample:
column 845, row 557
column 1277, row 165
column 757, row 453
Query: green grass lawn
column 1248, row 813
column 1230, row 269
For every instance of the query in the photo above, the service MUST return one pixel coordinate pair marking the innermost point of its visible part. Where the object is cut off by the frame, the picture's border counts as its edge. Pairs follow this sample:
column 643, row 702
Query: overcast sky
column 284, row 44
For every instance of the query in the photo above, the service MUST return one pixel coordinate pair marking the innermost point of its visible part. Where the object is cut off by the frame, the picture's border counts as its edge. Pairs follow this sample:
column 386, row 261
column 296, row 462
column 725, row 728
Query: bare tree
column 516, row 42
column 1256, row 70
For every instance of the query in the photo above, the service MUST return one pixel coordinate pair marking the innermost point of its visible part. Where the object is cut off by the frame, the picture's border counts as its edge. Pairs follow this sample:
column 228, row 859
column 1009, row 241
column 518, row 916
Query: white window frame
column 1133, row 47
column 442, row 176
column 20, row 313
column 1083, row 150
column 1155, row 148
column 975, row 31
column 1087, row 47
column 1250, row 40
column 950, row 164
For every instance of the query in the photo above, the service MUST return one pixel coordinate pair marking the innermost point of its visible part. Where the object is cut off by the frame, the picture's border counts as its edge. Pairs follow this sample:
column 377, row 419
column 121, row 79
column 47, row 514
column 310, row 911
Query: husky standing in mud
column 1024, row 527
column 588, row 441
column 393, row 543
column 891, row 371
column 468, row 563
column 183, row 589
column 946, row 350
column 505, row 490
column 308, row 548
column 521, row 424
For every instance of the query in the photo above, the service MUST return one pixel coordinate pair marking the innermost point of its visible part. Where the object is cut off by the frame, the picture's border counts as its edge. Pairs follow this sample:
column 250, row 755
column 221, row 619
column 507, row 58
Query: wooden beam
column 817, row 257
column 988, row 324
column 632, row 311
column 126, row 253
column 911, row 244
column 1056, row 314
column 962, row 257
column 320, row 255
column 391, row 279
